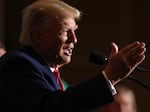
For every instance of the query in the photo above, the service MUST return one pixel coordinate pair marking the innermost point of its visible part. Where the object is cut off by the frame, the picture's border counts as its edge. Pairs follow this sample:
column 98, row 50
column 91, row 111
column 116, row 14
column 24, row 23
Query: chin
column 67, row 60
column 64, row 61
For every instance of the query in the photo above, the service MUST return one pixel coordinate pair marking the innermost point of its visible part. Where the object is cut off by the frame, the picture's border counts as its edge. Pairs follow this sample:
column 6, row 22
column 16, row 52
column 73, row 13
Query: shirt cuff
column 112, row 88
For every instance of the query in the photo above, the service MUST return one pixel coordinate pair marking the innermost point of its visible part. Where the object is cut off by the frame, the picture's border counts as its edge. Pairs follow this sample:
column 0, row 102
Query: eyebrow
column 70, row 27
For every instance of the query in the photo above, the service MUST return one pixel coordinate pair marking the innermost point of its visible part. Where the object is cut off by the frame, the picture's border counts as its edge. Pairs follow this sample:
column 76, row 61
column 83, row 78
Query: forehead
column 69, row 22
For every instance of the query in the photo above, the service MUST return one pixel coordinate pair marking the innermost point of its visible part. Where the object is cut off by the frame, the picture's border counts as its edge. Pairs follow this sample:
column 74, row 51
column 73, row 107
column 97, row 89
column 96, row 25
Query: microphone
column 101, row 59
column 98, row 58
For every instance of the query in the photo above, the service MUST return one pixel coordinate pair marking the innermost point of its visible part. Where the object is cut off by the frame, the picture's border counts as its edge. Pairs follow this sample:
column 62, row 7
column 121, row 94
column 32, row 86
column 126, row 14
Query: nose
column 72, row 37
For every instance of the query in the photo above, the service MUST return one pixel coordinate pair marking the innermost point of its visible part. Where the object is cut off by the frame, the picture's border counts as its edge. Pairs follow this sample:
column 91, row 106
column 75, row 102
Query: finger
column 129, row 48
column 114, row 48
column 134, row 51
column 136, row 57
column 135, row 61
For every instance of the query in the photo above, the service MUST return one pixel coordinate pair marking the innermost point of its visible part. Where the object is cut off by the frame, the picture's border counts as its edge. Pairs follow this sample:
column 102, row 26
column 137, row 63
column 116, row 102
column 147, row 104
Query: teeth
column 69, row 49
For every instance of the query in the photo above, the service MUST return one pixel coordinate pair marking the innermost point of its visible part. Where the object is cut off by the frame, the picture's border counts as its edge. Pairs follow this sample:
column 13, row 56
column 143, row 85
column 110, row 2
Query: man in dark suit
column 27, row 81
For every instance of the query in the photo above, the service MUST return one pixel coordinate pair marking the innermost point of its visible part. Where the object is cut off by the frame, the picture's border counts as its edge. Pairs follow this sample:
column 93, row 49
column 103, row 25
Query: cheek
column 61, row 44
column 48, row 46
column 52, row 42
column 49, row 40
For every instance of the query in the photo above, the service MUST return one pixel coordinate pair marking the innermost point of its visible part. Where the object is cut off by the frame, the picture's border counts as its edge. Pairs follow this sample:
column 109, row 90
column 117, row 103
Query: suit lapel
column 48, row 74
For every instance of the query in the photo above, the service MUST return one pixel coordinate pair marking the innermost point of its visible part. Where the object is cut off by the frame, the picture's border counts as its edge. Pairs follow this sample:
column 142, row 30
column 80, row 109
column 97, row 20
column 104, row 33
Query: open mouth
column 68, row 51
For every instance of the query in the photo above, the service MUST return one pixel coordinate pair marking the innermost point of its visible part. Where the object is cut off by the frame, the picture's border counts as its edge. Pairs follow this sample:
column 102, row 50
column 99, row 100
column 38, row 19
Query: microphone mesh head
column 98, row 58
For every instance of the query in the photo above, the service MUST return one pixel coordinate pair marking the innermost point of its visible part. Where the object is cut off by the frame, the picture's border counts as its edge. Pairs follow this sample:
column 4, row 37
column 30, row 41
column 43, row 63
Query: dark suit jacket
column 28, row 85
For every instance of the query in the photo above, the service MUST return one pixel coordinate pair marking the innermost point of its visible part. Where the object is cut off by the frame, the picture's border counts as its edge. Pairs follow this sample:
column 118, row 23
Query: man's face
column 2, row 51
column 123, row 103
column 57, row 43
column 126, row 103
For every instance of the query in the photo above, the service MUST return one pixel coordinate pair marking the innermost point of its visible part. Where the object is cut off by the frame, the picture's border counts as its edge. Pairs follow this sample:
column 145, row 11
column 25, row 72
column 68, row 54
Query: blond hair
column 42, row 14
column 124, row 91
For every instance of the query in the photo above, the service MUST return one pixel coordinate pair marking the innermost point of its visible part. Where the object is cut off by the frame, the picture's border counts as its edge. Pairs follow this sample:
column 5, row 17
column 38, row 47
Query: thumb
column 114, row 48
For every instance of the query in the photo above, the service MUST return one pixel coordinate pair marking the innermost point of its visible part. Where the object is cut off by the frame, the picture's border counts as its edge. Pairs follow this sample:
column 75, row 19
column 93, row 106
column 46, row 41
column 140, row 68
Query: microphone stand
column 139, row 82
column 140, row 69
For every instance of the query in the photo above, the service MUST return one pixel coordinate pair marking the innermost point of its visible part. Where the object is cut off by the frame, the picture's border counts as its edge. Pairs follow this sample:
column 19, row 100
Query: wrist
column 110, row 83
column 109, row 79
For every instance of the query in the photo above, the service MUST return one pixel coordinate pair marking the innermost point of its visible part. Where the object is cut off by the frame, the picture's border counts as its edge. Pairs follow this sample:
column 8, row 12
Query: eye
column 64, row 32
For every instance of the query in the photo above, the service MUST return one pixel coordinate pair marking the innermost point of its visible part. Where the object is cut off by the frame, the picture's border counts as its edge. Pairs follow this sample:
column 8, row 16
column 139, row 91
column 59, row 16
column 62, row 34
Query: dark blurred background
column 102, row 22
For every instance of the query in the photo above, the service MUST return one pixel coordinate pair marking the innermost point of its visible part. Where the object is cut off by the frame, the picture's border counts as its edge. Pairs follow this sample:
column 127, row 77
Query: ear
column 35, row 37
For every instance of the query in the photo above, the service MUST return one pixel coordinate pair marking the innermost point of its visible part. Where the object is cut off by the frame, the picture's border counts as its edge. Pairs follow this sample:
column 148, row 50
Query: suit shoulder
column 15, row 58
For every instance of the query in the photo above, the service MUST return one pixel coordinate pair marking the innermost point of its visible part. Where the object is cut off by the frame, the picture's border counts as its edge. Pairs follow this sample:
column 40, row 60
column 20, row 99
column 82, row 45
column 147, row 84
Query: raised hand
column 122, row 62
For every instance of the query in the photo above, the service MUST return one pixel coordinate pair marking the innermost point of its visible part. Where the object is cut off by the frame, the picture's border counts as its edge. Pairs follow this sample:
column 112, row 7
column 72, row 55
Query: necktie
column 57, row 75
